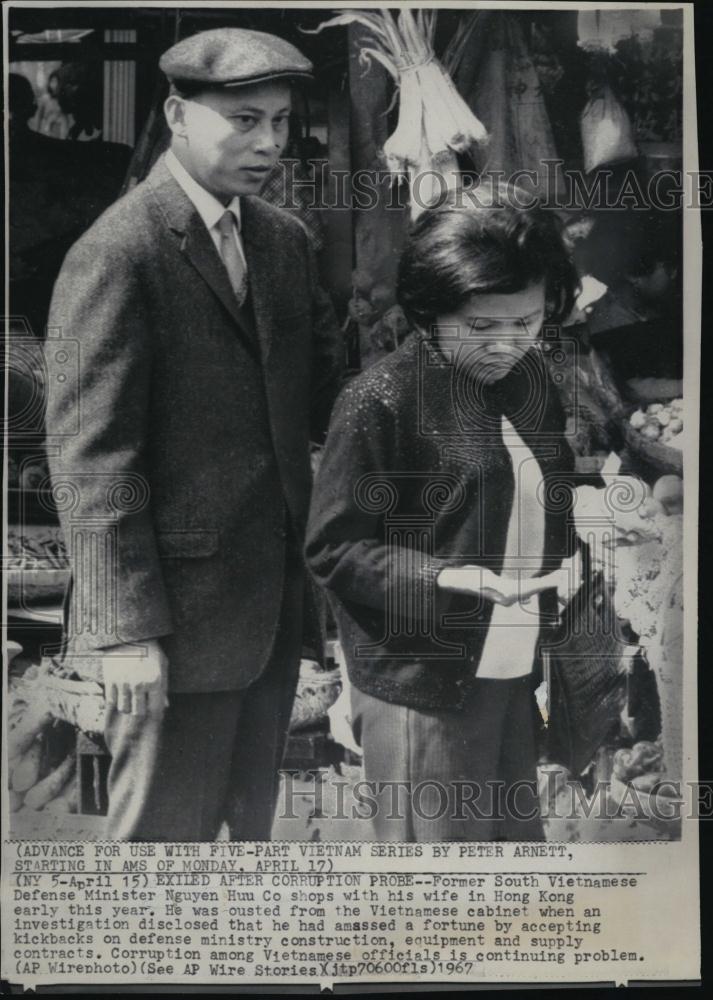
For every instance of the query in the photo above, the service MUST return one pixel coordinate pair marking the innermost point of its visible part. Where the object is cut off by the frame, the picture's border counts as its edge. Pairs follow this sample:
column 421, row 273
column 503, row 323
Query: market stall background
column 598, row 91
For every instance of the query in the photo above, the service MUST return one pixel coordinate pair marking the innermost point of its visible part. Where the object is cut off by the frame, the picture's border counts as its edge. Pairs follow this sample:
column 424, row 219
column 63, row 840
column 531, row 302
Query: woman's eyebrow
column 490, row 318
column 246, row 109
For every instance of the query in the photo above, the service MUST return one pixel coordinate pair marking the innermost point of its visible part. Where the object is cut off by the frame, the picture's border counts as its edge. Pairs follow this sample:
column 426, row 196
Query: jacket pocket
column 187, row 544
column 292, row 317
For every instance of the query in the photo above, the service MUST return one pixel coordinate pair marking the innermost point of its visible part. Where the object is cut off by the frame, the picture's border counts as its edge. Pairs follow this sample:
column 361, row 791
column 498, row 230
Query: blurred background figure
column 80, row 97
column 57, row 189
column 21, row 104
column 50, row 119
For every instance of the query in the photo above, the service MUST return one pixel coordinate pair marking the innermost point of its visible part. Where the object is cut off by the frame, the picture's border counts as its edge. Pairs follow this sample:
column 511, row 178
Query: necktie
column 232, row 258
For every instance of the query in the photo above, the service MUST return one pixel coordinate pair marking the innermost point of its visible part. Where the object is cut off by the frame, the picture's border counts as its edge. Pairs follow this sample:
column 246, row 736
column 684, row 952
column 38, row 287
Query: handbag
column 586, row 676
column 643, row 702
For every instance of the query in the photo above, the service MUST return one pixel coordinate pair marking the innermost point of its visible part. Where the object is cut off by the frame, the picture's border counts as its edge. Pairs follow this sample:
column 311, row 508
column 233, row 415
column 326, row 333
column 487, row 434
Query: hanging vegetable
column 607, row 135
column 51, row 785
column 434, row 122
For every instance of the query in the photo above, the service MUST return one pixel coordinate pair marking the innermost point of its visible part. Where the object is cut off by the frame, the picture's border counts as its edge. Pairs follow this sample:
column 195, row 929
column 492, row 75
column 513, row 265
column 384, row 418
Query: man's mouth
column 257, row 171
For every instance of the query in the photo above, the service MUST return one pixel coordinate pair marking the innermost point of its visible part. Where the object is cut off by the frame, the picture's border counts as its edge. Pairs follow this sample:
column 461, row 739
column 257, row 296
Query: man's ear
column 174, row 108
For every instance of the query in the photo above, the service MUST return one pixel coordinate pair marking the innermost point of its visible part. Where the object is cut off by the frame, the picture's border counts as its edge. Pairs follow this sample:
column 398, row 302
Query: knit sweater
column 416, row 477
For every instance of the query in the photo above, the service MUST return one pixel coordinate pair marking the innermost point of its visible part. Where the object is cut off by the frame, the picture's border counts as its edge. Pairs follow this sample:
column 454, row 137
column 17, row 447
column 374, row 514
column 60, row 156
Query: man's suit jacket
column 179, row 443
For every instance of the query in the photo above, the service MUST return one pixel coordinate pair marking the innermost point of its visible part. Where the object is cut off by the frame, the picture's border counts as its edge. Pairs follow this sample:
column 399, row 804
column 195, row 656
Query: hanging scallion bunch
column 435, row 123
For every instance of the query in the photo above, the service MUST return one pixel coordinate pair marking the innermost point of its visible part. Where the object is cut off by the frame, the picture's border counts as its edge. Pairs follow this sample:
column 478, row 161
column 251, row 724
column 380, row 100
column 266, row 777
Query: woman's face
column 492, row 331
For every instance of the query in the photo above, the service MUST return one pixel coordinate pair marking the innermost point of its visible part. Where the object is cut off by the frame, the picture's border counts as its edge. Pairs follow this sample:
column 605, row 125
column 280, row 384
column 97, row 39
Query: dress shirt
column 206, row 204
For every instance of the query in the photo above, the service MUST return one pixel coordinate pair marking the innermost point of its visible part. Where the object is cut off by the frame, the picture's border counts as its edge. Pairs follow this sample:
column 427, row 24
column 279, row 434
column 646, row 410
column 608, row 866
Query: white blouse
column 509, row 648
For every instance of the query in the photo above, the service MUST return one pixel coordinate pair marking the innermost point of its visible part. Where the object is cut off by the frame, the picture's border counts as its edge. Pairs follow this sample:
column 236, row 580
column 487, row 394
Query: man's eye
column 244, row 121
column 281, row 122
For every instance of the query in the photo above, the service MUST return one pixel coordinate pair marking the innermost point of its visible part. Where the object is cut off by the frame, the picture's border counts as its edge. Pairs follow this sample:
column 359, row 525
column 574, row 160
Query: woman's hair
column 481, row 241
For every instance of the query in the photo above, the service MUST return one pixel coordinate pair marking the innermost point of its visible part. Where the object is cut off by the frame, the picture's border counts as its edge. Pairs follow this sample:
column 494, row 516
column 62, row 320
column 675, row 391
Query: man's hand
column 135, row 678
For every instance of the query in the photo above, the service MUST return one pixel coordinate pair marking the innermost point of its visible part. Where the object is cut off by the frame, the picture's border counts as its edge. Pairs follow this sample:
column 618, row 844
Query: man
column 207, row 357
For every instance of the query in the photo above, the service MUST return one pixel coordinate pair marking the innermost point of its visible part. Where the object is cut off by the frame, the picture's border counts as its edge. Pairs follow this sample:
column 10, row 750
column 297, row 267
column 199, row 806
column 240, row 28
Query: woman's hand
column 508, row 590
column 480, row 581
column 568, row 578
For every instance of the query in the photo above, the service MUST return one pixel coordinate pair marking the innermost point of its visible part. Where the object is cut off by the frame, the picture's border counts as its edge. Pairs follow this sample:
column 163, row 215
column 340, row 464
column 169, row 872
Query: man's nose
column 268, row 139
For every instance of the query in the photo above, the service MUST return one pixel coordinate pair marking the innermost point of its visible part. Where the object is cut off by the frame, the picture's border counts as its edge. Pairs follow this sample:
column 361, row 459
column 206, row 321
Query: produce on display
column 35, row 547
column 668, row 490
column 68, row 799
column 44, row 791
column 662, row 422
column 623, row 512
column 81, row 703
column 27, row 716
column 317, row 690
column 36, row 567
column 39, row 699
column 635, row 537
column 641, row 766
column 16, row 800
column 26, row 771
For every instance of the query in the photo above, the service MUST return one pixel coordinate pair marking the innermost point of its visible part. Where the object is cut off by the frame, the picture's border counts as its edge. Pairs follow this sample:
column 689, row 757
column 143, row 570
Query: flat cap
column 233, row 57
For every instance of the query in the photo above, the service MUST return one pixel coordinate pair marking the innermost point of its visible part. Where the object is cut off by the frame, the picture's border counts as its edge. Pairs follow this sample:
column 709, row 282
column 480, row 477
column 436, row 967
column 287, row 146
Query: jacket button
column 280, row 532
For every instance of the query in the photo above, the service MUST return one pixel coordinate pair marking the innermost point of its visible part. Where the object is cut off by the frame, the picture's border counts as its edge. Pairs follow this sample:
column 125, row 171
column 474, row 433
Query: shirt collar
column 206, row 204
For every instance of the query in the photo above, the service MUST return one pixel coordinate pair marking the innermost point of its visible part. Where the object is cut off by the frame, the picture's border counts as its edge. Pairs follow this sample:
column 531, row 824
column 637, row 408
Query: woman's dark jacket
column 415, row 477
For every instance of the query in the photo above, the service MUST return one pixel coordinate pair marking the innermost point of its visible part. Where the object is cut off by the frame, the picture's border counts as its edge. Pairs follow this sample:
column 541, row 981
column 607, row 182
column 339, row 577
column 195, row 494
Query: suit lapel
column 195, row 243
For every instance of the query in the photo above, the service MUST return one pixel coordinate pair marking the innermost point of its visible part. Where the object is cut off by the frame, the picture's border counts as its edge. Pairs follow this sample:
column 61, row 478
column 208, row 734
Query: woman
column 51, row 119
column 439, row 523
